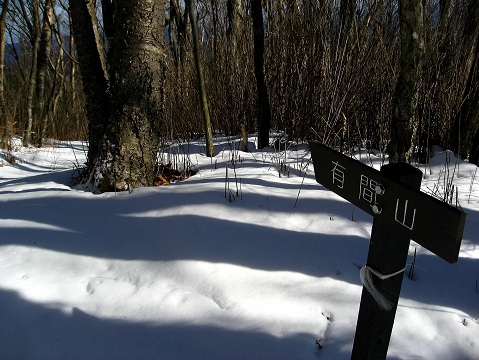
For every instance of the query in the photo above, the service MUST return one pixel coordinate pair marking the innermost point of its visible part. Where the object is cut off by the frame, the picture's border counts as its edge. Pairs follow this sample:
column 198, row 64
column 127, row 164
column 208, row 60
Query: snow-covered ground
column 183, row 272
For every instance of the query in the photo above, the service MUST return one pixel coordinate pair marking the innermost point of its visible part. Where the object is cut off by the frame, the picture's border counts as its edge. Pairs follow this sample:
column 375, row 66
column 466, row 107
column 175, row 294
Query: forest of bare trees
column 328, row 70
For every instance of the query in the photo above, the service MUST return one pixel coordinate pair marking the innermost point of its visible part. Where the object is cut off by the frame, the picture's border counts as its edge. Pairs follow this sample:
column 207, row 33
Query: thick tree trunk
column 124, row 105
column 264, row 111
column 232, row 8
column 136, row 68
column 95, row 83
column 234, row 12
column 406, row 95
column 210, row 150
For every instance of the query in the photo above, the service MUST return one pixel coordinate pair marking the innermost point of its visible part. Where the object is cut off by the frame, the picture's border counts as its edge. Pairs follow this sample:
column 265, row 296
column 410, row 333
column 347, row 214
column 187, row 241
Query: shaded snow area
column 262, row 266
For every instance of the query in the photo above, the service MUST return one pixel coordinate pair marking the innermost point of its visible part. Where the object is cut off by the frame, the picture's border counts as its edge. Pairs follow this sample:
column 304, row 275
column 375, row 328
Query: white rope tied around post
column 367, row 280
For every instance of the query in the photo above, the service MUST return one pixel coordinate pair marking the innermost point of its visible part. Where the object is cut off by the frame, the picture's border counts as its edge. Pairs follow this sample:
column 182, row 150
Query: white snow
column 181, row 272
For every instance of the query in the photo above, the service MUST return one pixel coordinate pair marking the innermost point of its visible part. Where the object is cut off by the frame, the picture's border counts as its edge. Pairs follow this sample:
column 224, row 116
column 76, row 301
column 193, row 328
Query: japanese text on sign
column 369, row 190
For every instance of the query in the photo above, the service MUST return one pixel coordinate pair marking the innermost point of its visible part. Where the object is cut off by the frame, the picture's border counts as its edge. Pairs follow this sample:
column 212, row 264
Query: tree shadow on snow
column 35, row 331
column 147, row 226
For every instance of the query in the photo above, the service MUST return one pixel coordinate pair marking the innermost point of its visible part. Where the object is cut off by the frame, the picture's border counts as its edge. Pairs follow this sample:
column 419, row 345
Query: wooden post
column 401, row 212
column 388, row 251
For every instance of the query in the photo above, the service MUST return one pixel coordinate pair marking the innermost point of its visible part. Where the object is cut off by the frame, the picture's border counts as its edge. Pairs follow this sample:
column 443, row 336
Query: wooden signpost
column 401, row 213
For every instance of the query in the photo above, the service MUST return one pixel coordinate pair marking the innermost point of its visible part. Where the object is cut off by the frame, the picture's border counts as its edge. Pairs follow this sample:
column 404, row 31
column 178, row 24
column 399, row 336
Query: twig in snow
column 302, row 181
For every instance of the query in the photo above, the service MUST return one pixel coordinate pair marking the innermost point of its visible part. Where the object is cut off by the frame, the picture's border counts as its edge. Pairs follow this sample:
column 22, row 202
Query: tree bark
column 136, row 68
column 181, row 21
column 98, row 38
column 232, row 9
column 40, row 113
column 73, row 65
column 210, row 150
column 3, row 18
column 264, row 111
column 233, row 31
column 95, row 84
column 58, row 83
column 406, row 95
column 4, row 119
column 35, row 38
column 124, row 105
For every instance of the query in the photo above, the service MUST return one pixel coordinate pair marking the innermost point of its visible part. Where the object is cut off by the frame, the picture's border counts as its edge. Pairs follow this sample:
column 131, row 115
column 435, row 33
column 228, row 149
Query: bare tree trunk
column 4, row 118
column 35, row 33
column 98, row 38
column 95, row 84
column 71, row 55
column 124, row 109
column 234, row 13
column 181, row 21
column 40, row 113
column 232, row 7
column 406, row 95
column 136, row 65
column 445, row 10
column 210, row 150
column 264, row 111
column 73, row 66
column 3, row 18
column 57, row 88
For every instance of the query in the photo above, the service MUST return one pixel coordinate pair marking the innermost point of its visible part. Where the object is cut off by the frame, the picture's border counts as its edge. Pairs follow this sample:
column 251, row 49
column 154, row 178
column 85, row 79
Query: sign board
column 430, row 222
column 401, row 212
